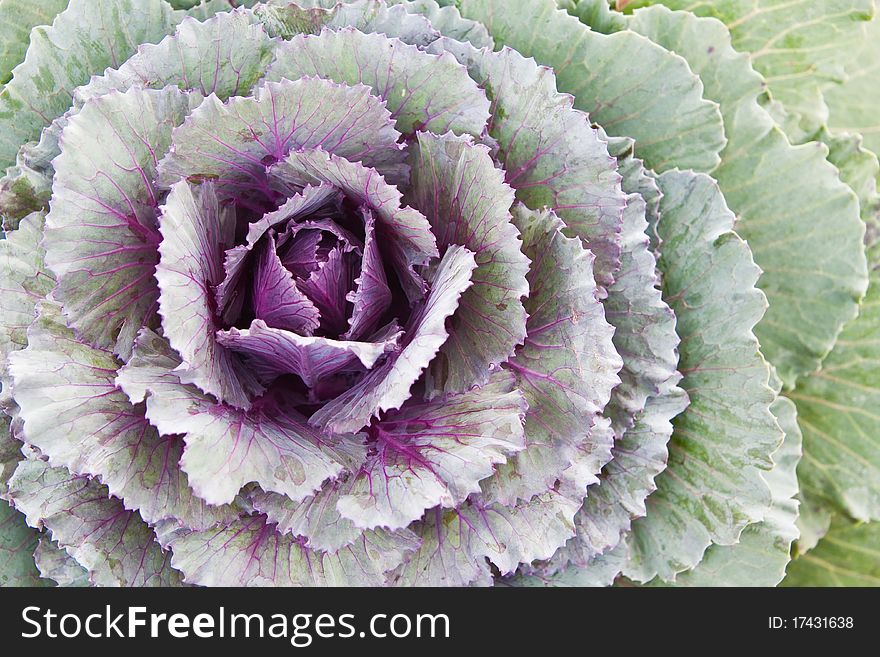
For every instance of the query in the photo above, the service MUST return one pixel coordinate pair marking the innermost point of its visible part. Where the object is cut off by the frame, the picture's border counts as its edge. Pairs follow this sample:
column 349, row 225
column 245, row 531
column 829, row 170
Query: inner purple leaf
column 328, row 289
column 276, row 298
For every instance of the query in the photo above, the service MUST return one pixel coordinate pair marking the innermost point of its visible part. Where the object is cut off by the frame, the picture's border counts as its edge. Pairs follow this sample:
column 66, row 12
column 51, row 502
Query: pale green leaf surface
column 848, row 555
column 17, row 545
column 17, row 18
column 114, row 545
column 801, row 222
column 838, row 412
column 55, row 564
column 82, row 41
column 804, row 49
column 713, row 486
column 763, row 551
column 629, row 85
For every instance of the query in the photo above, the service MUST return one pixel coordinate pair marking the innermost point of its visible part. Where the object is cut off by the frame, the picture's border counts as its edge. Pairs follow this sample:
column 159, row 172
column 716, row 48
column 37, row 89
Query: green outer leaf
column 83, row 40
column 860, row 169
column 853, row 103
column 17, row 18
column 838, row 412
column 630, row 86
column 713, row 486
column 17, row 545
column 101, row 233
column 55, row 564
column 455, row 183
column 801, row 222
column 813, row 522
column 803, row 48
column 115, row 545
column 763, row 551
column 847, row 556
column 24, row 280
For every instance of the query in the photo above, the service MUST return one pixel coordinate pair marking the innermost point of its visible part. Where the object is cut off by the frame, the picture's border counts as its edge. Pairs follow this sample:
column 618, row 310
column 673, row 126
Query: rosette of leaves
column 394, row 293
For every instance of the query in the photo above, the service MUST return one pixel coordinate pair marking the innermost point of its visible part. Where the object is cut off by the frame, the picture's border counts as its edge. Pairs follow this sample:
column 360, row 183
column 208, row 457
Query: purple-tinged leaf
column 114, row 545
column 435, row 453
column 195, row 230
column 250, row 552
column 311, row 201
column 423, row 91
column 371, row 296
column 274, row 352
column 455, row 183
column 233, row 142
column 345, row 239
column 225, row 55
column 316, row 518
column 227, row 447
column 101, row 233
column 369, row 16
column 638, row 457
column 567, row 366
column 276, row 298
column 74, row 413
column 550, row 153
column 328, row 286
column 456, row 543
column 388, row 386
column 300, row 255
column 403, row 233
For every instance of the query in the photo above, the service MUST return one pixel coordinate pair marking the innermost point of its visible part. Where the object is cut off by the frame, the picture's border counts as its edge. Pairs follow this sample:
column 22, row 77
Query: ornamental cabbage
column 408, row 292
